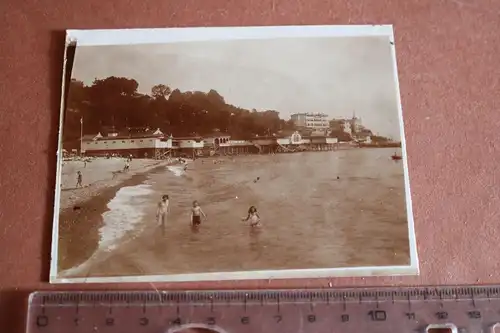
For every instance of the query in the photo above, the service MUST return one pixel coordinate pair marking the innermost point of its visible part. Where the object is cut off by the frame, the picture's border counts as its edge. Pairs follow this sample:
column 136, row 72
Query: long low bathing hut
column 156, row 144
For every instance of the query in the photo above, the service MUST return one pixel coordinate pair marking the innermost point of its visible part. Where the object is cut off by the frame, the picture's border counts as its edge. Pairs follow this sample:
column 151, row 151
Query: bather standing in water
column 253, row 216
column 196, row 213
column 162, row 211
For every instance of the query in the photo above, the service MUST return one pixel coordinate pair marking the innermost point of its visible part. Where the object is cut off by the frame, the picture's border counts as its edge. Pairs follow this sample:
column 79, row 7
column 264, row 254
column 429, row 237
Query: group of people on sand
column 79, row 176
column 196, row 213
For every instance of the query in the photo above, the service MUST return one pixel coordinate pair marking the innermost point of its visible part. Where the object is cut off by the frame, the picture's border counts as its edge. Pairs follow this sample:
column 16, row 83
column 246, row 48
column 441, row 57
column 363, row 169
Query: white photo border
column 176, row 35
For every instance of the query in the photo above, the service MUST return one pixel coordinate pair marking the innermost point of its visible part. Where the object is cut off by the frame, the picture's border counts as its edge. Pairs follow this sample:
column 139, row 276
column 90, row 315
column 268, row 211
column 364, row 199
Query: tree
column 77, row 95
column 215, row 98
column 77, row 106
column 379, row 139
column 337, row 124
column 175, row 96
column 341, row 136
column 115, row 102
column 160, row 91
column 112, row 102
column 289, row 125
column 115, row 86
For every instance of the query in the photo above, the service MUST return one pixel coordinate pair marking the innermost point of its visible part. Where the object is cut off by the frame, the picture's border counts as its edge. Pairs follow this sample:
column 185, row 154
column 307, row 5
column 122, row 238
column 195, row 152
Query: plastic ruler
column 433, row 310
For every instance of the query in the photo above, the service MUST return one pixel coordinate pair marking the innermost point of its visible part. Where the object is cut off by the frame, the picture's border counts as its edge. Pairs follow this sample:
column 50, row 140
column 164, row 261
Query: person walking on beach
column 79, row 179
column 127, row 166
column 196, row 213
column 253, row 216
column 162, row 211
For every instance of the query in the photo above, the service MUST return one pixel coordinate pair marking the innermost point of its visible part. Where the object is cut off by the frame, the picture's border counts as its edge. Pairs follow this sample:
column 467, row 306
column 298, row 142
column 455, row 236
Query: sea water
column 126, row 211
column 176, row 170
column 318, row 210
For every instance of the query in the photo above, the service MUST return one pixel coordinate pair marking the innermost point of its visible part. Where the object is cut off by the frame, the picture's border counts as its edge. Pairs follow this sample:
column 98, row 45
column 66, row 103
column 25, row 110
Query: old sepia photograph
column 197, row 154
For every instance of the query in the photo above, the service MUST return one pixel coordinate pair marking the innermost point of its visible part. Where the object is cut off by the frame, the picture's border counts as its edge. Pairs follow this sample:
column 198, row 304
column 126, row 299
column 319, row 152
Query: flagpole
column 81, row 135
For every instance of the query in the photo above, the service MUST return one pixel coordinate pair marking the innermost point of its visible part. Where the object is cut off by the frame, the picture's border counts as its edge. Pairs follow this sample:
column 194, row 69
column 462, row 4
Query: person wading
column 162, row 211
column 196, row 213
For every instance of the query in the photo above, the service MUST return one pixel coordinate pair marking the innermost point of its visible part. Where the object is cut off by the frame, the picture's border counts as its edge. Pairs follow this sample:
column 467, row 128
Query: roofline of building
column 121, row 137
column 93, row 138
column 309, row 114
column 188, row 138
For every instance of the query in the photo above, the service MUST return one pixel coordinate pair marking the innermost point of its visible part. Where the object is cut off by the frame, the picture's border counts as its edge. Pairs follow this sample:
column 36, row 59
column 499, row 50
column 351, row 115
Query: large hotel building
column 317, row 121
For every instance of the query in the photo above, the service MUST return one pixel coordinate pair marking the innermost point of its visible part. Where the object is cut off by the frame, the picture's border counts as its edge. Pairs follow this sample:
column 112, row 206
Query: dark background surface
column 448, row 56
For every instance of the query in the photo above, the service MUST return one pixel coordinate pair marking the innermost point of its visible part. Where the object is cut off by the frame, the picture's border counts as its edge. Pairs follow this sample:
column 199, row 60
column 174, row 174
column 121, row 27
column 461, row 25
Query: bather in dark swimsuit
column 196, row 220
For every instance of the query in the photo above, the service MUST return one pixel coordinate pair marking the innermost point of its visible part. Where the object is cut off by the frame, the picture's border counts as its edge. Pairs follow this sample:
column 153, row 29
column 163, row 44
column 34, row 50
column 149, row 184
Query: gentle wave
column 124, row 214
column 177, row 170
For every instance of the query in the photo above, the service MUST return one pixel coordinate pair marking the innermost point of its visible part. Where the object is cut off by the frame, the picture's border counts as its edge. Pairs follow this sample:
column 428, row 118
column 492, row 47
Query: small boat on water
column 396, row 157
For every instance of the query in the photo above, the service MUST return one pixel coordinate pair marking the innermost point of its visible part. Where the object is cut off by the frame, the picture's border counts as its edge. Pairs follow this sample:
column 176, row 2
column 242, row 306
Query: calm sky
column 336, row 75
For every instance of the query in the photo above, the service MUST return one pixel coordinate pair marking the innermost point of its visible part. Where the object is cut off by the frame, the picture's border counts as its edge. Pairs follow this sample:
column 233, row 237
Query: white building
column 311, row 120
column 188, row 143
column 294, row 139
column 141, row 144
column 187, row 146
column 216, row 139
column 352, row 125
column 356, row 124
column 348, row 127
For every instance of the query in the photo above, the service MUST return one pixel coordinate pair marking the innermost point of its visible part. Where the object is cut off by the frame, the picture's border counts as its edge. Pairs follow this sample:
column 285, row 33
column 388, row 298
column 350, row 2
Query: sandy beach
column 81, row 208
column 97, row 176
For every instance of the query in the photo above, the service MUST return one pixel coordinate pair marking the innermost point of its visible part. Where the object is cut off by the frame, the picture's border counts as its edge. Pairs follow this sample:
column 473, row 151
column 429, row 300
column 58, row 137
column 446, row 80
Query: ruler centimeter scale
column 425, row 310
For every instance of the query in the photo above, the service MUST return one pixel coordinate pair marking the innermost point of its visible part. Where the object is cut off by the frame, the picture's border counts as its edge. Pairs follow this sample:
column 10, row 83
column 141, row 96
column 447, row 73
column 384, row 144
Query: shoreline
column 79, row 225
column 69, row 197
column 139, row 255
